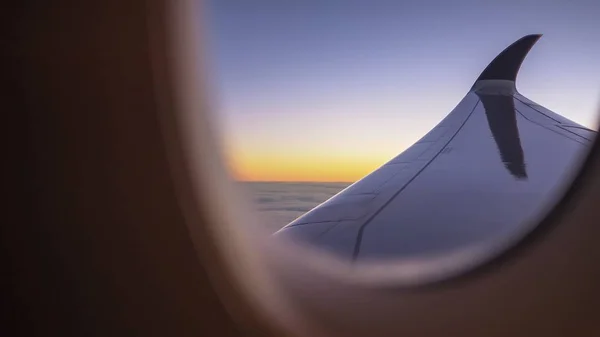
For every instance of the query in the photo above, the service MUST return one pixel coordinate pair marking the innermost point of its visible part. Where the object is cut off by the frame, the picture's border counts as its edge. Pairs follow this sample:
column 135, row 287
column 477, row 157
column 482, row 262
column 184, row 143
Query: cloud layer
column 280, row 203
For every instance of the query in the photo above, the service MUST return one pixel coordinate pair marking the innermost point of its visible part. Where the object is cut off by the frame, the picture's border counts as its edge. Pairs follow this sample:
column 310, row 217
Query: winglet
column 507, row 64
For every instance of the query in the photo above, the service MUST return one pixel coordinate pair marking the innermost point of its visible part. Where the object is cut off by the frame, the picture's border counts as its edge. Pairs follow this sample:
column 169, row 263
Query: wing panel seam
column 545, row 127
column 364, row 225
column 529, row 105
column 574, row 133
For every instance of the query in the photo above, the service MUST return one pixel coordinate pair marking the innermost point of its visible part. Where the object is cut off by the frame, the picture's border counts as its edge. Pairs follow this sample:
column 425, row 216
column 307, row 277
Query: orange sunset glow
column 302, row 168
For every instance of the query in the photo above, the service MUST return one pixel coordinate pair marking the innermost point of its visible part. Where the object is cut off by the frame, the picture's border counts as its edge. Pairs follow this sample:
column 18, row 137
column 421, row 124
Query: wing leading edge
column 486, row 171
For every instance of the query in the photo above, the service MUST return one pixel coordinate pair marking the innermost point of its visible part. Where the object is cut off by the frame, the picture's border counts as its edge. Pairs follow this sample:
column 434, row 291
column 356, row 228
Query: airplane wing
column 486, row 171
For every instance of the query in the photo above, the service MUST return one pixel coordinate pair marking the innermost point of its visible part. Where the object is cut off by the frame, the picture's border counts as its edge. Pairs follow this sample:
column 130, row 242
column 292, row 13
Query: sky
column 319, row 90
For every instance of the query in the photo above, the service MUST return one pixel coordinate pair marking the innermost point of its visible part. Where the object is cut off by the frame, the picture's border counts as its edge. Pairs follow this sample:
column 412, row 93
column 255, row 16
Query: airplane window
column 390, row 135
